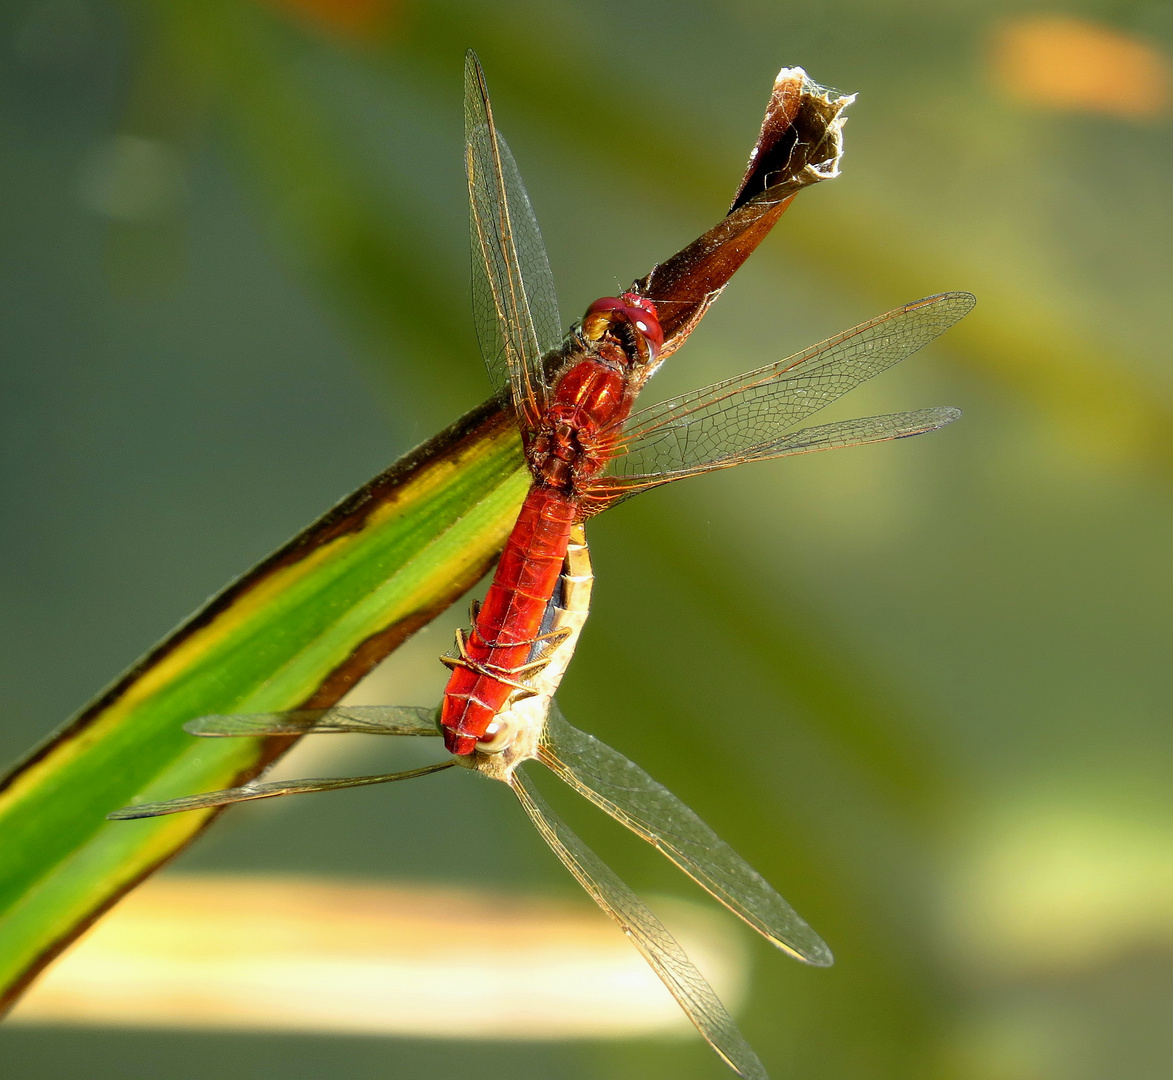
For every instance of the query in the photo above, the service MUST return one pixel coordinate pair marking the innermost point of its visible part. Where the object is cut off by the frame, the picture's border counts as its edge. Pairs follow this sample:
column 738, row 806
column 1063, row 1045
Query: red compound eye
column 600, row 315
column 607, row 303
column 636, row 310
column 642, row 315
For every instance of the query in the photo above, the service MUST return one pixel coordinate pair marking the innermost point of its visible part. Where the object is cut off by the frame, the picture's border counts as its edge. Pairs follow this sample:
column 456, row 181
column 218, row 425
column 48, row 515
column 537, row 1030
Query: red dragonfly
column 588, row 449
column 573, row 398
column 531, row 727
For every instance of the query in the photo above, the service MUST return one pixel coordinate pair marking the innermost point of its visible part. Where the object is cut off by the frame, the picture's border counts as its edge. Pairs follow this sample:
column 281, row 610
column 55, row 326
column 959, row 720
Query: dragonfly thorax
column 588, row 399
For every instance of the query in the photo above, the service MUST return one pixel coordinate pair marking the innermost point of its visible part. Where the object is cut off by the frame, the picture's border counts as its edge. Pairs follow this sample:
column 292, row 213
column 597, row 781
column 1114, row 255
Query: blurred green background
column 924, row 687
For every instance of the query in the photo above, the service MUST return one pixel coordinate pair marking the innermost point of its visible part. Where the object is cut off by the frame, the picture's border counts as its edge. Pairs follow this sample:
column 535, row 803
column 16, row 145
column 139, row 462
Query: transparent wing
column 651, row 811
column 514, row 304
column 661, row 950
column 743, row 418
column 608, row 491
column 265, row 791
column 360, row 719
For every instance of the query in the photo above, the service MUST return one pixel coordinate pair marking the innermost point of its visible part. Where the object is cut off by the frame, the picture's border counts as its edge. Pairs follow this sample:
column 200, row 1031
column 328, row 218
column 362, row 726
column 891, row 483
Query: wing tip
column 748, row 1065
column 965, row 300
column 474, row 80
column 821, row 958
column 936, row 418
column 926, row 420
column 136, row 813
column 815, row 954
column 201, row 725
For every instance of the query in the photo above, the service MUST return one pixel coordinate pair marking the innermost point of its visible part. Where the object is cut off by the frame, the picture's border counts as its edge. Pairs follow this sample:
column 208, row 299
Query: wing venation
column 745, row 418
column 622, row 789
column 209, row 799
column 514, row 303
column 661, row 950
column 342, row 719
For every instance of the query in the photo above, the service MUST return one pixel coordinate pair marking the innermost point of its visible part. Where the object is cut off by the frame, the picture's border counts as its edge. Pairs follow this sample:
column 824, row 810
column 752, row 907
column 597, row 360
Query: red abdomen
column 510, row 618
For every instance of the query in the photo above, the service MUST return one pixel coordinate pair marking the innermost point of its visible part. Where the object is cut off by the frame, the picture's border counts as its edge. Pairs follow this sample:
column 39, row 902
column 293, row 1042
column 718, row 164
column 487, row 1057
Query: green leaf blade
column 298, row 630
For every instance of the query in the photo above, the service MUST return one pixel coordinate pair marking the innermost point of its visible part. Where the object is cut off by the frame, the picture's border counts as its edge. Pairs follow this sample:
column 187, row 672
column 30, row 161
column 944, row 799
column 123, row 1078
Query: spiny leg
column 554, row 636
column 507, row 675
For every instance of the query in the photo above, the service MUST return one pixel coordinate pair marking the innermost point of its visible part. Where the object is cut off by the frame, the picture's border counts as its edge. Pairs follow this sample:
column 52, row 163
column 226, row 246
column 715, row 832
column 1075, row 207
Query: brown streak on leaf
column 485, row 421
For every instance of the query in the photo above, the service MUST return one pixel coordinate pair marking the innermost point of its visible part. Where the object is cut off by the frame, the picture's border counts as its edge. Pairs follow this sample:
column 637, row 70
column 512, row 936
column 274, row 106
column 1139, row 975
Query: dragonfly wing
column 514, row 303
column 652, row 812
column 358, row 719
column 209, row 799
column 858, row 432
column 661, row 950
column 867, row 429
column 735, row 420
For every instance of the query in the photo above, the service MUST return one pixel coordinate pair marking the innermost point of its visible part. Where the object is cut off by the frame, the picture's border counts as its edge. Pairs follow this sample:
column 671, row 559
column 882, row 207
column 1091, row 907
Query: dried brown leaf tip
column 800, row 143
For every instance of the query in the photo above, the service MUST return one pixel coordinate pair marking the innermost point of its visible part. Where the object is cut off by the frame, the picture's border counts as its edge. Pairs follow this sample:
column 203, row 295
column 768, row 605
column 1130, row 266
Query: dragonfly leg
column 551, row 640
column 554, row 637
column 490, row 671
column 508, row 676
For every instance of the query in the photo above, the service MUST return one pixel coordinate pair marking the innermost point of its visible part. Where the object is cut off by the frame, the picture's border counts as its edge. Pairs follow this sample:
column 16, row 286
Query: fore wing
column 348, row 719
column 661, row 950
column 357, row 719
column 209, row 799
column 652, row 812
column 747, row 418
column 514, row 304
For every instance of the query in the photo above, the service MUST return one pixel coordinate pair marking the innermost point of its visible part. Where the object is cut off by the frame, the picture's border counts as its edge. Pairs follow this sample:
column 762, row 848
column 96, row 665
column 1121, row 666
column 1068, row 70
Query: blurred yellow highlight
column 1063, row 62
column 314, row 955
column 1065, row 888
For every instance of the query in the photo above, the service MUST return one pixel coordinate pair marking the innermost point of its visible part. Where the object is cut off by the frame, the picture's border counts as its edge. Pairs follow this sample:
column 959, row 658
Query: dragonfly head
column 632, row 320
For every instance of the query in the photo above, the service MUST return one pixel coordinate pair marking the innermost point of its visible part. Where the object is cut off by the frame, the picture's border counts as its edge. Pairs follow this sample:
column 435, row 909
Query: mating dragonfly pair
column 587, row 449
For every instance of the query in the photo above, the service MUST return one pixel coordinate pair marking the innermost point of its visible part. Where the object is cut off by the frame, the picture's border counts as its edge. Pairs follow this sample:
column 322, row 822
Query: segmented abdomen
column 510, row 618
